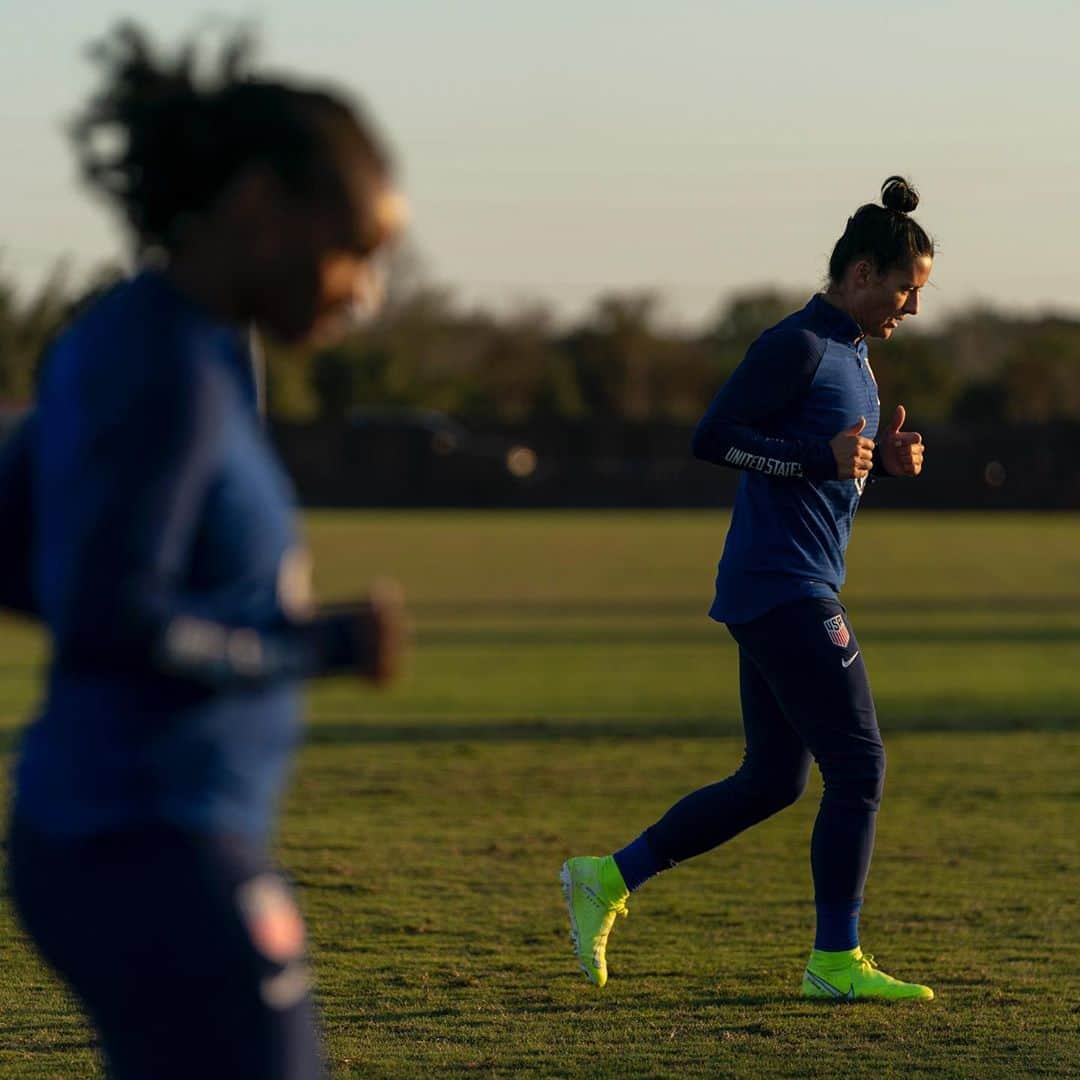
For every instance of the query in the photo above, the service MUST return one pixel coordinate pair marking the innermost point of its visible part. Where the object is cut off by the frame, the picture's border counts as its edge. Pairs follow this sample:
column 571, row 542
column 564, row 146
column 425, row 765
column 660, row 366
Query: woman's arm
column 126, row 607
column 776, row 369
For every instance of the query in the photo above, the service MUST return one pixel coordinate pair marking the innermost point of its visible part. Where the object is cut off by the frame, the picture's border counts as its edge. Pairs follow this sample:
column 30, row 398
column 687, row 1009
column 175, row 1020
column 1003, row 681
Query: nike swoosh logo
column 850, row 660
column 831, row 990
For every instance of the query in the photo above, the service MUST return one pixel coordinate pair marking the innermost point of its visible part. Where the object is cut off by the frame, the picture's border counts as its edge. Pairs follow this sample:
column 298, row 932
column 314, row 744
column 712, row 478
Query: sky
column 554, row 150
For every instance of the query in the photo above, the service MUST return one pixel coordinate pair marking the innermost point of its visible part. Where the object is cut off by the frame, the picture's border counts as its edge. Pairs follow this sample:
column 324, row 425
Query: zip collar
column 834, row 323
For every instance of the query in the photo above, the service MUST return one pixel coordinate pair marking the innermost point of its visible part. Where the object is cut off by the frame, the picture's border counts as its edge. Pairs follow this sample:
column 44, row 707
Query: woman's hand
column 901, row 451
column 383, row 629
column 854, row 454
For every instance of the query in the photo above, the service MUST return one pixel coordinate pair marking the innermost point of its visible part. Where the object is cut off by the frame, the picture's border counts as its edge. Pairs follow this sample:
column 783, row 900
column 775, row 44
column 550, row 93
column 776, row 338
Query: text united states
column 742, row 459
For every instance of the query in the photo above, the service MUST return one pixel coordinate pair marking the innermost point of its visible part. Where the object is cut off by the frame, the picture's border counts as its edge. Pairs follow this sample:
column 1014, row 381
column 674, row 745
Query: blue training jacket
column 163, row 558
column 801, row 383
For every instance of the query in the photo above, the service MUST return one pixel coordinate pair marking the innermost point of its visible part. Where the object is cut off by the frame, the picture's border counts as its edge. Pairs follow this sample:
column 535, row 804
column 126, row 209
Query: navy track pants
column 805, row 696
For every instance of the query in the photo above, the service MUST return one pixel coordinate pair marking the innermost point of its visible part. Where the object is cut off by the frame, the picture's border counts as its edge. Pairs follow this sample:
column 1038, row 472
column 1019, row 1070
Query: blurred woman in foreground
column 165, row 561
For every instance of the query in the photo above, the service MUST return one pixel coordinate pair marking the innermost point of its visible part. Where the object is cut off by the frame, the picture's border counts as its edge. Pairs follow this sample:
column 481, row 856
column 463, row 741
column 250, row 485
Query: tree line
column 618, row 362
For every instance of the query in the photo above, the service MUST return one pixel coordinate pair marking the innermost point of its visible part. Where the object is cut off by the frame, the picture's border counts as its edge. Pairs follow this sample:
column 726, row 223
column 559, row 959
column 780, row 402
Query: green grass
column 566, row 688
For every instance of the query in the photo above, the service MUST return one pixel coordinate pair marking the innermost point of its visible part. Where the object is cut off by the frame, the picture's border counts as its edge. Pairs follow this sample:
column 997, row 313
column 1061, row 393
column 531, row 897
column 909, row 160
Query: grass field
column 566, row 688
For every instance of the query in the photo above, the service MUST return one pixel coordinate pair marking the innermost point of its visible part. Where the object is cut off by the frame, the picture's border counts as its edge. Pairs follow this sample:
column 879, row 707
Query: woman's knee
column 855, row 778
column 775, row 788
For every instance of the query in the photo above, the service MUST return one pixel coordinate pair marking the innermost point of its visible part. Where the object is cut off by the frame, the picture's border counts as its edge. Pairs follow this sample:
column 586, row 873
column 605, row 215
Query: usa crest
column 838, row 632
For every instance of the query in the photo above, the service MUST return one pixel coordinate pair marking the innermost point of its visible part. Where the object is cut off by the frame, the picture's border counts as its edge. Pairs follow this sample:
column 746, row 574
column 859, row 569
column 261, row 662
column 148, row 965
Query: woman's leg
column 187, row 951
column 772, row 776
column 814, row 666
column 819, row 681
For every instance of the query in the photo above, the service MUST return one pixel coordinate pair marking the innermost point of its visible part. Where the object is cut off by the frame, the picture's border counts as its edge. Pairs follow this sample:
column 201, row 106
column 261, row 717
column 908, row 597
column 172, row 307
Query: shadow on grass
column 510, row 729
column 328, row 730
column 751, row 1000
column 1003, row 604
column 29, row 1036
column 56, row 1046
column 929, row 635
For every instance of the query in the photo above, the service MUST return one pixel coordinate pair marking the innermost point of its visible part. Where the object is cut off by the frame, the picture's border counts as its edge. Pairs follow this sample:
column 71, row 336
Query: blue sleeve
column 777, row 368
column 127, row 606
column 16, row 522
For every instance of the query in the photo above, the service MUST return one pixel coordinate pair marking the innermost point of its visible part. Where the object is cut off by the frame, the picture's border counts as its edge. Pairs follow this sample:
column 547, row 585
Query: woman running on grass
column 799, row 416
column 164, row 559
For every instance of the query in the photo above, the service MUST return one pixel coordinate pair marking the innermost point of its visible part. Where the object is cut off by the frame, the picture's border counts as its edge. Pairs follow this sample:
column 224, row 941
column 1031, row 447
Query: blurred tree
column 27, row 326
column 1040, row 377
column 912, row 369
column 619, row 363
column 522, row 373
column 1035, row 377
column 745, row 314
column 290, row 391
column 615, row 355
column 975, row 342
column 333, row 381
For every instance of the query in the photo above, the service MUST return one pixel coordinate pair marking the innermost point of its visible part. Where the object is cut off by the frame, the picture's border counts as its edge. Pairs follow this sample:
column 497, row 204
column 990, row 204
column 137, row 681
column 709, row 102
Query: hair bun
column 897, row 194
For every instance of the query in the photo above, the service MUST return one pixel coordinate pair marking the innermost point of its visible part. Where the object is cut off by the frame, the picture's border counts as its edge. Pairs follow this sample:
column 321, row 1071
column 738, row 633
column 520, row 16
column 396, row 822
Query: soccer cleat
column 855, row 977
column 595, row 893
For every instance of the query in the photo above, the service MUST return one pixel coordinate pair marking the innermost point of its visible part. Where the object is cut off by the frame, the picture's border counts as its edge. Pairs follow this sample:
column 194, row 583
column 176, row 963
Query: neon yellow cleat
column 595, row 893
column 853, row 976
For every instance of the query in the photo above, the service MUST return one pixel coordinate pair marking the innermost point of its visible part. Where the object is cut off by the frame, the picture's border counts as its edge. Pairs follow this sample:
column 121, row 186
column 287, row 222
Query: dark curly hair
column 163, row 136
